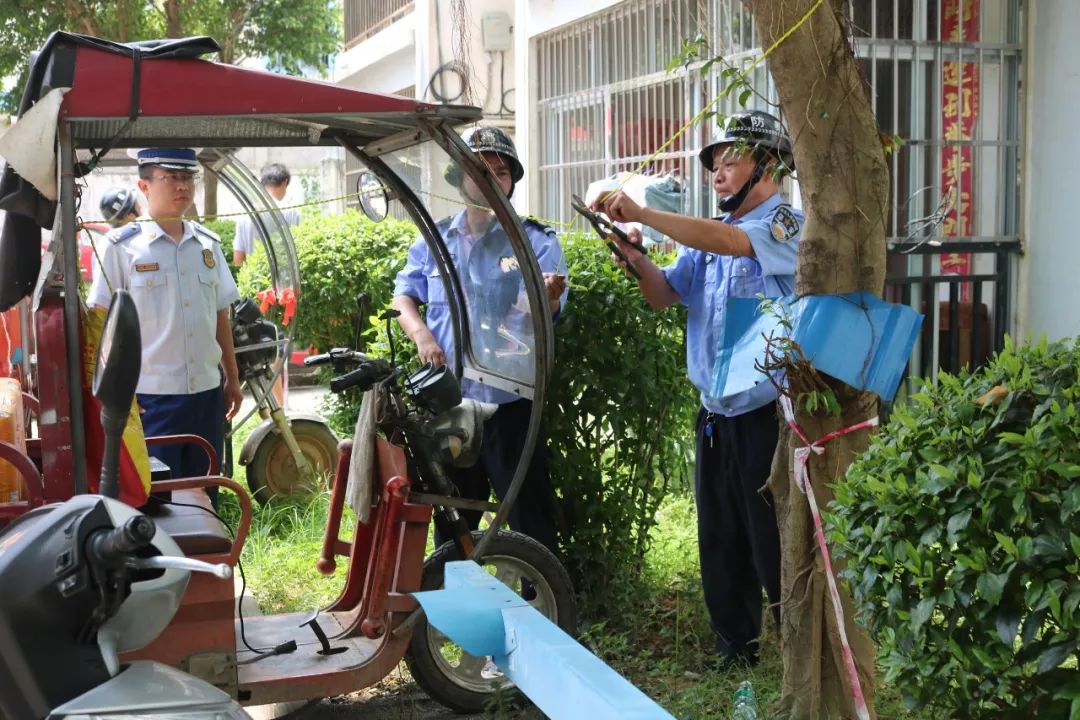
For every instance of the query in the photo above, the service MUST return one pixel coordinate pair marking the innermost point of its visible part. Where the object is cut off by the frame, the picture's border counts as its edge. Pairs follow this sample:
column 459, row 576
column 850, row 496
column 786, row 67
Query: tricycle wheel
column 272, row 472
column 464, row 682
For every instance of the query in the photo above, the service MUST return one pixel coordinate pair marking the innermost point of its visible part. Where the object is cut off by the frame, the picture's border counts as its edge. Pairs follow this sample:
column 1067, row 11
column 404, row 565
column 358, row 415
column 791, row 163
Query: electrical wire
column 285, row 647
column 504, row 109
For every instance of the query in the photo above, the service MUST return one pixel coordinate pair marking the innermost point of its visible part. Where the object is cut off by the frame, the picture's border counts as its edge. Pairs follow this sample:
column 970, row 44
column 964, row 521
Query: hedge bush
column 339, row 256
column 620, row 408
column 960, row 529
column 619, row 418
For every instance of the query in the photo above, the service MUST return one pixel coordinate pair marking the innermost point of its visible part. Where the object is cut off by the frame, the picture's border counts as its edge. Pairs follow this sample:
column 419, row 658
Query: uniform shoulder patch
column 784, row 225
column 126, row 232
column 206, row 233
column 538, row 224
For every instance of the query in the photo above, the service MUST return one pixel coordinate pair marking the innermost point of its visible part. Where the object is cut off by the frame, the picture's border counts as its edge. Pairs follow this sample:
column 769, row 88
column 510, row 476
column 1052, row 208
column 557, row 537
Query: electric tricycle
column 171, row 97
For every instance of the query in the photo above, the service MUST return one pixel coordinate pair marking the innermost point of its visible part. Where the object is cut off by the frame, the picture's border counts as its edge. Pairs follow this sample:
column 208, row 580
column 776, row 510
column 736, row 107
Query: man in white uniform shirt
column 275, row 179
column 176, row 272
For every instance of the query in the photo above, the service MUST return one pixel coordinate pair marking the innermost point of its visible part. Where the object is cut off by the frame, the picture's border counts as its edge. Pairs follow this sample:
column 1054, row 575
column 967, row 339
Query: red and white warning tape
column 801, row 474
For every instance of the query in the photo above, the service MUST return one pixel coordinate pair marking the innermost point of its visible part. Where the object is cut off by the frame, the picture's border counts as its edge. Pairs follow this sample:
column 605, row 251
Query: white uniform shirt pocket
column 208, row 293
column 150, row 291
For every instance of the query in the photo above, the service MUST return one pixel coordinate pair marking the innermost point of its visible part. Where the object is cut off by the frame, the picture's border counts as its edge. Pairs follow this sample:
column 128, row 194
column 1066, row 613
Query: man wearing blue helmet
column 177, row 274
column 747, row 252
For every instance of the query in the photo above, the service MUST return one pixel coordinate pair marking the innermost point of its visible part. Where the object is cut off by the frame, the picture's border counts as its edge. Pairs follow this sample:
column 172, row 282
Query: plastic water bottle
column 743, row 702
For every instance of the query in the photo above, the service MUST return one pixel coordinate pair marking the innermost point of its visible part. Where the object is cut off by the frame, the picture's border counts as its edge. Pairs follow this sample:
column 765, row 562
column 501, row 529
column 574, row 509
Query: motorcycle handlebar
column 111, row 547
column 362, row 377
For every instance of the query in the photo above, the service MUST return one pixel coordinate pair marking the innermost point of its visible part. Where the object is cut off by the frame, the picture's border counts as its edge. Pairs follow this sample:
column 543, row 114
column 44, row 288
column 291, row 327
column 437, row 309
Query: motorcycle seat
column 188, row 520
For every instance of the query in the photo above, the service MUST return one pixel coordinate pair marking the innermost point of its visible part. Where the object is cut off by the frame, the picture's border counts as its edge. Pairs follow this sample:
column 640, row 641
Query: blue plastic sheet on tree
column 563, row 679
column 855, row 337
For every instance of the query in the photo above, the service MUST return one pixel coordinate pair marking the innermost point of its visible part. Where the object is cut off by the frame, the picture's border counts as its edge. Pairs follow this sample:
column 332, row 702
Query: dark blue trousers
column 504, row 437
column 738, row 538
column 201, row 414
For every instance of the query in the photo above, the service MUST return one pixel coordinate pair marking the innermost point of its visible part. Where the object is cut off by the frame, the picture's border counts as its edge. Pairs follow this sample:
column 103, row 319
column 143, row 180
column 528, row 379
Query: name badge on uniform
column 784, row 224
column 508, row 264
column 208, row 258
column 146, row 267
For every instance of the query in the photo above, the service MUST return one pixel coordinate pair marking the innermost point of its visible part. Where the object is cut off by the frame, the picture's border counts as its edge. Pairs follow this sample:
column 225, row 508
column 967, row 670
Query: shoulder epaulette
column 125, row 232
column 536, row 222
column 206, row 233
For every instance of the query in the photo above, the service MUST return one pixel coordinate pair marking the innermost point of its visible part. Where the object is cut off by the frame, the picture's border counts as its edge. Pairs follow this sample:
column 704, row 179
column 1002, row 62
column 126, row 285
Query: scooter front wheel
column 447, row 673
column 273, row 472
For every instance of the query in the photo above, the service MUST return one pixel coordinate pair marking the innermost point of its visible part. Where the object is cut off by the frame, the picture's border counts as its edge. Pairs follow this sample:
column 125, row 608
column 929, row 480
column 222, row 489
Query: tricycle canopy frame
column 120, row 96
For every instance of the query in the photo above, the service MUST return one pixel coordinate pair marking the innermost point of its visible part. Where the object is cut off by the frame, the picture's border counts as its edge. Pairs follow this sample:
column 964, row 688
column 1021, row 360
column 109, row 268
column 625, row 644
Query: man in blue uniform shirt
column 747, row 252
column 176, row 273
column 487, row 268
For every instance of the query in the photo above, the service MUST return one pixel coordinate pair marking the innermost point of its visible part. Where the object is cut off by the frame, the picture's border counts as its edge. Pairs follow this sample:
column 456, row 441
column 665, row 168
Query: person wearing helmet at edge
column 747, row 252
column 176, row 273
column 488, row 272
column 119, row 206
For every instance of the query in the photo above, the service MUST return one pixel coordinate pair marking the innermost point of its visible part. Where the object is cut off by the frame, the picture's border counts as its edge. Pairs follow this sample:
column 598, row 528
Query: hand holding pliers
column 605, row 228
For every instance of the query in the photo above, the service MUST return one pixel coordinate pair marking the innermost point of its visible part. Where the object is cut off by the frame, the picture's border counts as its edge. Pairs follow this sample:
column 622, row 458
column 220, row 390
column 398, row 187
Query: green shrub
column 959, row 526
column 619, row 419
column 339, row 256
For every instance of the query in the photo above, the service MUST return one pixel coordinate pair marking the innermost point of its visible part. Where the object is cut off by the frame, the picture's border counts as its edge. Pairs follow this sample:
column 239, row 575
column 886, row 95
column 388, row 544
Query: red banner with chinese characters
column 959, row 112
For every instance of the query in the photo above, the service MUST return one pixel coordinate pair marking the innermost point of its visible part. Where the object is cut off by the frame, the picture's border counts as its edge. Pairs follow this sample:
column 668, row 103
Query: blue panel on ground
column 561, row 677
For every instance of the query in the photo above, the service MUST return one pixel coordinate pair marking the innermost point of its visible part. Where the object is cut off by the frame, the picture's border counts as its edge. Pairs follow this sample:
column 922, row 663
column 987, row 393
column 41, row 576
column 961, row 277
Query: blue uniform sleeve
column 411, row 280
column 775, row 240
column 680, row 273
column 549, row 256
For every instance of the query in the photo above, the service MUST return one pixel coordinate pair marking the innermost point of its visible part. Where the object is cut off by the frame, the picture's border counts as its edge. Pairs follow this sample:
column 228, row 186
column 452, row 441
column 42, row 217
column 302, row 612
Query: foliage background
column 291, row 35
column 959, row 527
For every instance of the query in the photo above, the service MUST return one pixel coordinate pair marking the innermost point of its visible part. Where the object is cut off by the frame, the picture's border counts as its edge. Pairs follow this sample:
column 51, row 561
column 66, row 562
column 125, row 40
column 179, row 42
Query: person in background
column 275, row 179
column 119, row 206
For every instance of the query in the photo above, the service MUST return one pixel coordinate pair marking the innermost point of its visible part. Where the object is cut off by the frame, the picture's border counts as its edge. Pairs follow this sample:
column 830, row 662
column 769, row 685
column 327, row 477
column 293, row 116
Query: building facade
column 980, row 93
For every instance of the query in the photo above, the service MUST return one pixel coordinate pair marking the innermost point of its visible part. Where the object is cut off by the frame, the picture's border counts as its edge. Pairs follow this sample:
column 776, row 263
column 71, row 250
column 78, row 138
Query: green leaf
column 1008, row 624
column 991, row 586
column 1007, row 544
column 958, row 522
column 1055, row 655
column 921, row 614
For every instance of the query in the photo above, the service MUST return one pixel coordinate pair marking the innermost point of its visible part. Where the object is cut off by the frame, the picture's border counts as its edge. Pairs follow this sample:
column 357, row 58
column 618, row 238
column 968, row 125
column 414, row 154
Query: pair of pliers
column 605, row 228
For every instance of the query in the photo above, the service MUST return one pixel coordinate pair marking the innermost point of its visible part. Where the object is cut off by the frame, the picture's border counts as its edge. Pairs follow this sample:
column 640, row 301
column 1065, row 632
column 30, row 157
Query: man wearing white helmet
column 747, row 252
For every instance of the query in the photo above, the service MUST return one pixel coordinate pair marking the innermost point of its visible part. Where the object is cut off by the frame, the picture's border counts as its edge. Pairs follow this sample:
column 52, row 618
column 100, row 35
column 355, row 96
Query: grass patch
column 655, row 632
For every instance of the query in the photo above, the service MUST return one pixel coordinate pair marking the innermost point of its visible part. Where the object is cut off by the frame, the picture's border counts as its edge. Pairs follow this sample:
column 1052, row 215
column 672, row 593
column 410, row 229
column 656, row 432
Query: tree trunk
column 844, row 182
column 210, row 189
column 173, row 21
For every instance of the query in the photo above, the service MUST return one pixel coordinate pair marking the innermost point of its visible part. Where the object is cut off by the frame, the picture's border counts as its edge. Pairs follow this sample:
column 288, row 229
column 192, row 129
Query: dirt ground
column 397, row 700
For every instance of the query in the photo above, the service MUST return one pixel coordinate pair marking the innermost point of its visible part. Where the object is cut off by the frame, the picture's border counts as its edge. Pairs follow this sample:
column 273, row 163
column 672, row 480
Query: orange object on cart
column 12, row 488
